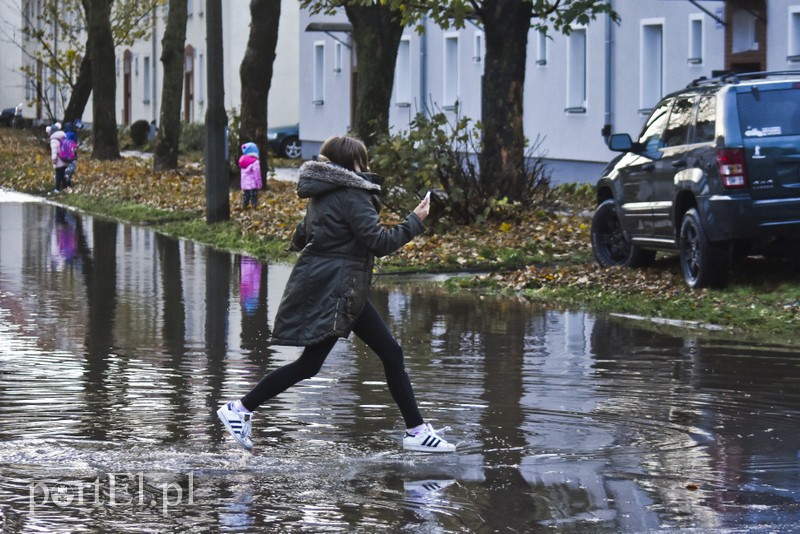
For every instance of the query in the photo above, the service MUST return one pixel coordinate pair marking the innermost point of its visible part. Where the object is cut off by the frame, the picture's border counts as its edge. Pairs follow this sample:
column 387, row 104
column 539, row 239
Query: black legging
column 371, row 329
column 61, row 181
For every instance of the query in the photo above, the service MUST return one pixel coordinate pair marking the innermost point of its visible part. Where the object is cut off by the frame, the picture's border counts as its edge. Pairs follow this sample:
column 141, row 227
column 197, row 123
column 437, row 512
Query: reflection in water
column 249, row 284
column 104, row 396
column 116, row 346
column 64, row 239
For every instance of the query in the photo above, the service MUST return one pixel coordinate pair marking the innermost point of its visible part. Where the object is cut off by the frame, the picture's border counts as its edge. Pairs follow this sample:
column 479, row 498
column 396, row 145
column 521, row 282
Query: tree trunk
column 104, row 82
column 218, row 206
column 502, row 160
column 256, row 75
column 377, row 30
column 165, row 153
column 81, row 91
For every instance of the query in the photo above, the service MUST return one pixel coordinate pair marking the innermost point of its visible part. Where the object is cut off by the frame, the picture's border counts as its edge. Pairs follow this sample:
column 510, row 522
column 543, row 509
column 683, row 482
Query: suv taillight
column 730, row 164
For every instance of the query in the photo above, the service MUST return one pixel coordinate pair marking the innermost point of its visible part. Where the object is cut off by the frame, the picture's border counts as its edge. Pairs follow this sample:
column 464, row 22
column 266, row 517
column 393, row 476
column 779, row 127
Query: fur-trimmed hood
column 317, row 177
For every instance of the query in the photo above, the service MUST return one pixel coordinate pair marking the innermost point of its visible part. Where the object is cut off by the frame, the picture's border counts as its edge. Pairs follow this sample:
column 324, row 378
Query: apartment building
column 139, row 70
column 602, row 78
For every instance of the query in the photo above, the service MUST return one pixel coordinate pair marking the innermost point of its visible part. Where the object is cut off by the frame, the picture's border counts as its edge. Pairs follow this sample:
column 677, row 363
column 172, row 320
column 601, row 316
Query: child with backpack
column 250, row 167
column 68, row 152
column 57, row 135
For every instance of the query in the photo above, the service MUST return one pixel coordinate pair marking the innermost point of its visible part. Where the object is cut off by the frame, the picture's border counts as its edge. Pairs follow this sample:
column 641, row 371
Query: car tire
column 703, row 263
column 609, row 243
column 291, row 148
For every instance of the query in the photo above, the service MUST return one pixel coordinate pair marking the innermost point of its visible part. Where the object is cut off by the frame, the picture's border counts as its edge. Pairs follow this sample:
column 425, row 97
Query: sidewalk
column 288, row 174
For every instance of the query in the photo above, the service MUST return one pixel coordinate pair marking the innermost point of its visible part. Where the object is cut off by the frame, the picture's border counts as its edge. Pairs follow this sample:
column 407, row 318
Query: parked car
column 284, row 141
column 714, row 173
column 7, row 116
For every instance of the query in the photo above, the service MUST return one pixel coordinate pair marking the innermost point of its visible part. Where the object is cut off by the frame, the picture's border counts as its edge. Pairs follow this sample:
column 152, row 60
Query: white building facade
column 139, row 70
column 602, row 78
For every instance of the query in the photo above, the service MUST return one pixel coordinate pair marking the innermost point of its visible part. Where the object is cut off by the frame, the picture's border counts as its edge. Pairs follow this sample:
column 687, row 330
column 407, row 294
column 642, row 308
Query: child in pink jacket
column 251, row 174
column 56, row 136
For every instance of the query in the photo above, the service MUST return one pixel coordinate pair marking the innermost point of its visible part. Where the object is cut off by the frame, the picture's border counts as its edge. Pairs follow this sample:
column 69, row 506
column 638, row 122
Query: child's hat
column 53, row 128
column 250, row 148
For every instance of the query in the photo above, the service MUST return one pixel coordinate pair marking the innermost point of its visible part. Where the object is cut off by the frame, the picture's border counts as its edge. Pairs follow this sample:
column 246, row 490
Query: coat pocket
column 353, row 296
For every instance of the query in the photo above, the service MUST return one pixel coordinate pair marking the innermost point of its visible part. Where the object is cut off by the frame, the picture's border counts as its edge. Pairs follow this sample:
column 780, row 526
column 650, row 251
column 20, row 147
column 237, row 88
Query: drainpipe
column 609, row 71
column 56, row 92
column 154, row 65
column 423, row 67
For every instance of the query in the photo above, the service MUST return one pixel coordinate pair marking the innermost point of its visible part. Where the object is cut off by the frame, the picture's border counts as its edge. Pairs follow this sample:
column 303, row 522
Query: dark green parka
column 339, row 237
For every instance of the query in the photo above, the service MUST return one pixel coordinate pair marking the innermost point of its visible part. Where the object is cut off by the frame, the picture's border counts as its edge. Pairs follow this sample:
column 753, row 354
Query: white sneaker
column 421, row 488
column 427, row 441
column 238, row 424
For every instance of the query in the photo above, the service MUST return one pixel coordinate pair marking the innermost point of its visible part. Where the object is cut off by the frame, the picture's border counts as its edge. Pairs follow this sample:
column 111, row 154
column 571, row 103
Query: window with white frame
column 576, row 71
column 651, row 65
column 695, row 40
column 189, row 8
column 337, row 57
column 30, row 87
column 541, row 49
column 319, row 74
column 793, row 55
column 451, row 71
column 146, row 80
column 51, row 87
column 402, row 74
column 477, row 47
column 26, row 21
column 744, row 31
column 201, row 78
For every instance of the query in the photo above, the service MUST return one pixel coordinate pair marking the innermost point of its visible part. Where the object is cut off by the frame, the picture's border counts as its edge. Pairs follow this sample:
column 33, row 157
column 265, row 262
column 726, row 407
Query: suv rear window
column 769, row 113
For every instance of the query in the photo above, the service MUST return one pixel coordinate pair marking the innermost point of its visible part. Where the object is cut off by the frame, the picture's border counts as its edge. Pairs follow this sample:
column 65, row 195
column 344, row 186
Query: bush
column 139, row 131
column 436, row 154
column 193, row 137
column 234, row 148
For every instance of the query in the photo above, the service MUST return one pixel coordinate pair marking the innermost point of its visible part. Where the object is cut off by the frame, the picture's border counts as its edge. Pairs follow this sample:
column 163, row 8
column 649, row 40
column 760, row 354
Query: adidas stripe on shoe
column 239, row 425
column 427, row 440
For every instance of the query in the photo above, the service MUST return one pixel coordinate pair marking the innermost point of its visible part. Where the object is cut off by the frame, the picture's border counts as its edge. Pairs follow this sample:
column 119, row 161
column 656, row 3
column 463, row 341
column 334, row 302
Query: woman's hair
column 345, row 151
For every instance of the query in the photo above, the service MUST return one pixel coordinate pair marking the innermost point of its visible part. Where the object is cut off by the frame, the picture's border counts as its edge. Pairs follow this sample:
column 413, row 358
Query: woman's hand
column 424, row 207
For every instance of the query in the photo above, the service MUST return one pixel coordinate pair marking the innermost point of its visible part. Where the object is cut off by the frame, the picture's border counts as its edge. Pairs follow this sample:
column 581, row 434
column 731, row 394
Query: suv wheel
column 611, row 247
column 291, row 148
column 704, row 264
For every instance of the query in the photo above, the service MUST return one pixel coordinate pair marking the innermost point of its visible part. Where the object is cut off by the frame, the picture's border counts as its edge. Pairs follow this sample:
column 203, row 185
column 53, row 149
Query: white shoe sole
column 422, row 448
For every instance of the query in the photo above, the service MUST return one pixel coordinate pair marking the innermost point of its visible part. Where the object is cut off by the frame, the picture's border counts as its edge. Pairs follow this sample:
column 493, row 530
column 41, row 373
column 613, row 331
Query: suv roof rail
column 736, row 77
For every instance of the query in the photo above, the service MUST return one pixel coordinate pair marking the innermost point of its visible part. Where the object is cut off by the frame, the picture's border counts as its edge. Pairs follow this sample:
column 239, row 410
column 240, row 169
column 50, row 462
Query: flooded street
column 117, row 345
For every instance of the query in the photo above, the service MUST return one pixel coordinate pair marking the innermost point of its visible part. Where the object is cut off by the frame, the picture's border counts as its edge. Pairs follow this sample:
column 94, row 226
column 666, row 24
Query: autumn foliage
column 543, row 254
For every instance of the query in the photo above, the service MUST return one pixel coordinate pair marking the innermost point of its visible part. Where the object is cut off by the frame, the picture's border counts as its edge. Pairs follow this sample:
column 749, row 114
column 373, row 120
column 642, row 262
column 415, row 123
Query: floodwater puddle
column 118, row 344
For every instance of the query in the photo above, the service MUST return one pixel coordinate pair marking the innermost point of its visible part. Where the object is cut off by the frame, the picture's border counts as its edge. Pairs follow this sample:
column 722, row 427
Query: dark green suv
column 715, row 172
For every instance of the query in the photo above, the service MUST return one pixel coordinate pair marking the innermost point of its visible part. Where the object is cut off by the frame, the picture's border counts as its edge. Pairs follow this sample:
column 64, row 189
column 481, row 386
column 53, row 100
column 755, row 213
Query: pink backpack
column 68, row 149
